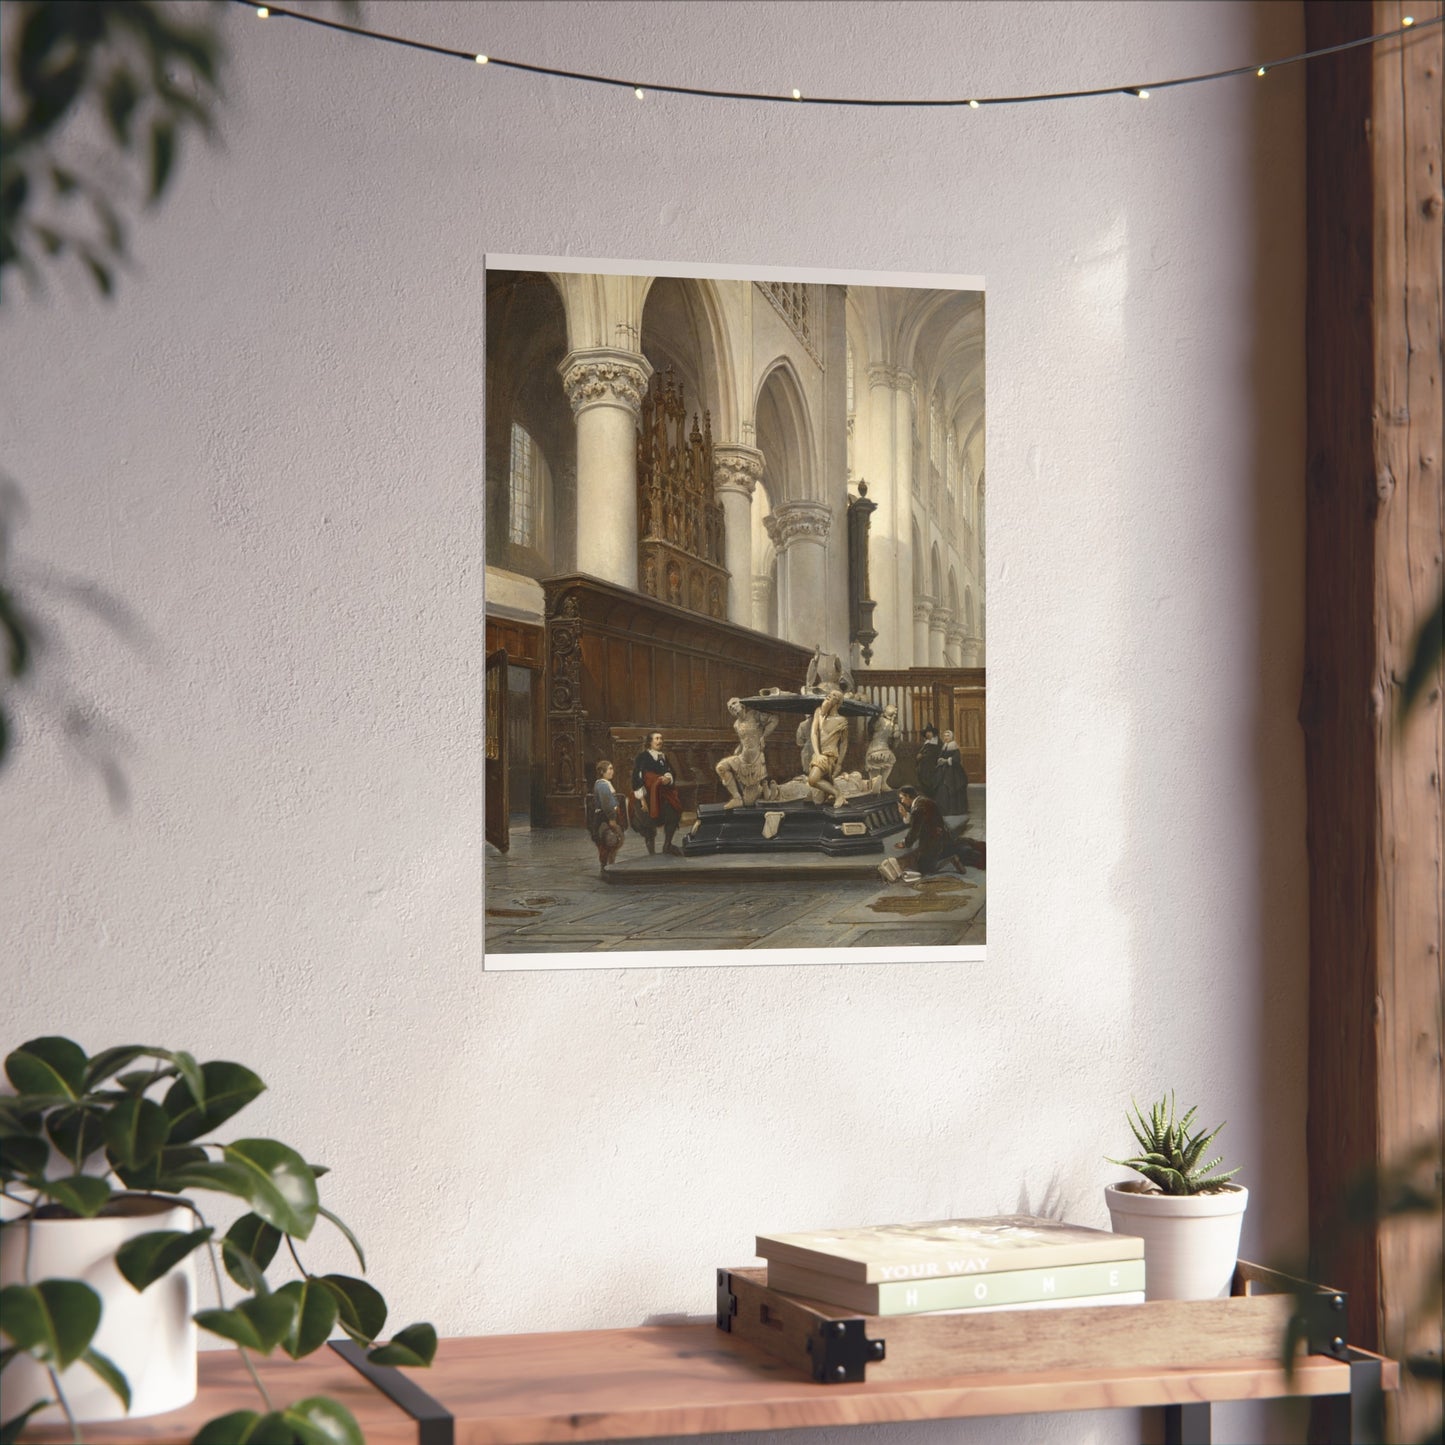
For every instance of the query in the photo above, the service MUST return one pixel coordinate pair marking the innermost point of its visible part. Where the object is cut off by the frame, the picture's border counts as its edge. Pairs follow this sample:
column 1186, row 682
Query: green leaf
column 121, row 97
column 245, row 1427
column 106, row 1368
column 11, row 1430
column 226, row 1088
column 21, row 1157
column 111, row 1061
column 84, row 1194
column 136, row 1130
column 259, row 1323
column 248, row 1248
column 316, row 1311
column 156, row 1174
column 415, row 1345
column 100, row 274
column 351, row 1239
column 362, row 1310
column 49, row 1065
column 149, row 1257
column 76, row 1131
column 282, row 1186
column 54, row 1320
column 319, row 1421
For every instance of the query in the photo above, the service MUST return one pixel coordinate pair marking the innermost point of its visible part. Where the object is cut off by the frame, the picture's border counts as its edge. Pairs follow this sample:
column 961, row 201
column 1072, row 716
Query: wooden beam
column 1374, row 545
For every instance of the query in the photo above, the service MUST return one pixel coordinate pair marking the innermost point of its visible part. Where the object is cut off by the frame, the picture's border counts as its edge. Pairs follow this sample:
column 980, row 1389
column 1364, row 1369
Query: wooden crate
column 836, row 1345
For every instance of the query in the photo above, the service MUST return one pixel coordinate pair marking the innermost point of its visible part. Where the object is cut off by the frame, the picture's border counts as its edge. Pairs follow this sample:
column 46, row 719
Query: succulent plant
column 1170, row 1153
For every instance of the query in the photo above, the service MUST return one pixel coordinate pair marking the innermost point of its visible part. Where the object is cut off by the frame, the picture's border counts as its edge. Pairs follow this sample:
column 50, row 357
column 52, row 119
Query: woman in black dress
column 951, row 791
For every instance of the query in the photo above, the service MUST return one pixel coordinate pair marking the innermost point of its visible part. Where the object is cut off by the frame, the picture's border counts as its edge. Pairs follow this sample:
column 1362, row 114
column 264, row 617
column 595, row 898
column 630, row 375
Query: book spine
column 1106, row 1250
column 1015, row 1286
column 964, row 1291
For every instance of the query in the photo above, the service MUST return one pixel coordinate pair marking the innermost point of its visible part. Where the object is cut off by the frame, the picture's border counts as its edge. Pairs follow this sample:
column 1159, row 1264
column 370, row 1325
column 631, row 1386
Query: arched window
column 527, row 490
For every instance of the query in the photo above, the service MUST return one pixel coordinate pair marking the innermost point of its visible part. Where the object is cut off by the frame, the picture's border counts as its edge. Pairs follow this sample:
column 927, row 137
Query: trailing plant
column 81, row 1133
column 1171, row 1154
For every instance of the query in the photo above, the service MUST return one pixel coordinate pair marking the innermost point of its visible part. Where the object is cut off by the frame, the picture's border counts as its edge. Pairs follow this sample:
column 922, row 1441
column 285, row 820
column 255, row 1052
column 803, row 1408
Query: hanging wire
column 640, row 88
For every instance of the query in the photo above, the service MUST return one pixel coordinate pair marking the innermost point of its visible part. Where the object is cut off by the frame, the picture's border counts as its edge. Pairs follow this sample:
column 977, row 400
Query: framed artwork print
column 735, row 616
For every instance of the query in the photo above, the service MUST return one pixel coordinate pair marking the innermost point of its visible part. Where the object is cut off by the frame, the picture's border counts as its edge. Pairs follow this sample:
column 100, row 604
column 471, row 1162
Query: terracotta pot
column 1191, row 1241
column 149, row 1336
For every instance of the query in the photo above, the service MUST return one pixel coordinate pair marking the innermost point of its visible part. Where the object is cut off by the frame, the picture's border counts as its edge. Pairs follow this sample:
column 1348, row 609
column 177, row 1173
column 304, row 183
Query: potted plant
column 100, row 1162
column 1187, row 1213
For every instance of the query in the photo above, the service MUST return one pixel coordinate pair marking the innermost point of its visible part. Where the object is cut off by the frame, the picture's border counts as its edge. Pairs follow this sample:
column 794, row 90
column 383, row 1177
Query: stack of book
column 1012, row 1261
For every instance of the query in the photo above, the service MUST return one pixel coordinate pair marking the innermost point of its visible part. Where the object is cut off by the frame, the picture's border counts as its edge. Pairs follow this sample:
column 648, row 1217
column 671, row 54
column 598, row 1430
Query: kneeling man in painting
column 655, row 789
column 930, row 843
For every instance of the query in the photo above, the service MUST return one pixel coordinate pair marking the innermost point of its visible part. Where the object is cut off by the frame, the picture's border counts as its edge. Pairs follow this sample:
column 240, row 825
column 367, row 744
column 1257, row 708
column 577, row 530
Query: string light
column 591, row 78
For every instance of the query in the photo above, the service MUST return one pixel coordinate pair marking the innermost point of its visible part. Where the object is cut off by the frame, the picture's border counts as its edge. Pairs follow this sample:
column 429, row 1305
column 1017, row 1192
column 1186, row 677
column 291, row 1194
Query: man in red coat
column 655, row 789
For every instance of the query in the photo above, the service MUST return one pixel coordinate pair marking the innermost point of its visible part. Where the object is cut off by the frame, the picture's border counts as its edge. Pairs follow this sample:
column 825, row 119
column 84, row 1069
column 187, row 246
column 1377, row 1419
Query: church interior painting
column 735, row 618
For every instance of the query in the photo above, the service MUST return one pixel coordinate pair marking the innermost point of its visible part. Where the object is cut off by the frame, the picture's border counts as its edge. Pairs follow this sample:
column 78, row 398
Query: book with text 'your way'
column 962, row 1292
column 884, row 1253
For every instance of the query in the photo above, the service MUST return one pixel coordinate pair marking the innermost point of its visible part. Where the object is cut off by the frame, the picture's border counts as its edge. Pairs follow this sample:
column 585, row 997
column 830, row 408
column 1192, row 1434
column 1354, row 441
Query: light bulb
column 797, row 95
column 1142, row 94
column 973, row 105
column 1408, row 21
column 482, row 59
column 1260, row 72
column 262, row 11
column 637, row 91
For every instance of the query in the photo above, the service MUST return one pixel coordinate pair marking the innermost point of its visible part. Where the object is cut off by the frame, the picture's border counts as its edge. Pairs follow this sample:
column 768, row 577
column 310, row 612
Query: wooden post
column 1373, row 570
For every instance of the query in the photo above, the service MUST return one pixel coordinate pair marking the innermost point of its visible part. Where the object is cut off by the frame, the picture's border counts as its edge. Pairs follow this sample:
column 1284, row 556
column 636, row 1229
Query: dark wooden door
column 494, row 779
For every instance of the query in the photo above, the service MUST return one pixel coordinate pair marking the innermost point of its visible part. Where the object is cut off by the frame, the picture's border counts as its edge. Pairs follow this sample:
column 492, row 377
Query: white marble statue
column 744, row 772
column 826, row 671
column 829, row 738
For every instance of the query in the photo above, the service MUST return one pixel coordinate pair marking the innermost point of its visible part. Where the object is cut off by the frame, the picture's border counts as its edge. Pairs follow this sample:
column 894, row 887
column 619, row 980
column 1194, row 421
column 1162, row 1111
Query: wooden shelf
column 690, row 1380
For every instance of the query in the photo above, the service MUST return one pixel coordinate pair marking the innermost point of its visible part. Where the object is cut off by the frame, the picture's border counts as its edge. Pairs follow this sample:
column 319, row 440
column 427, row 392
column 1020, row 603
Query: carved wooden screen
column 679, row 524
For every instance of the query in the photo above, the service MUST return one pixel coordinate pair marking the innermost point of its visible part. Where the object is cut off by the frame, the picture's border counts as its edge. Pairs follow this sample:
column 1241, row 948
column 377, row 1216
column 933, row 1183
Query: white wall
column 270, row 448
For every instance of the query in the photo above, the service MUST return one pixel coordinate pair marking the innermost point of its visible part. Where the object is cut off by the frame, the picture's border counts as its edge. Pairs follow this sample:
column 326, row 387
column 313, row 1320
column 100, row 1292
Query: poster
column 735, row 549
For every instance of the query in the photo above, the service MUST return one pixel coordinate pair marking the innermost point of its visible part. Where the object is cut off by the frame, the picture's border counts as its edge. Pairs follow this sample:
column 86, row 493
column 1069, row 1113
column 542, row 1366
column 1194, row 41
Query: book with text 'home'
column 961, row 1292
column 884, row 1253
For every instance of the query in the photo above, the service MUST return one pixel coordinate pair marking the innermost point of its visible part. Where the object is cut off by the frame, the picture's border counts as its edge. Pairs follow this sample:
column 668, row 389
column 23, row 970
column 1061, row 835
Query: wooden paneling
column 620, row 661
column 522, row 641
column 1374, row 542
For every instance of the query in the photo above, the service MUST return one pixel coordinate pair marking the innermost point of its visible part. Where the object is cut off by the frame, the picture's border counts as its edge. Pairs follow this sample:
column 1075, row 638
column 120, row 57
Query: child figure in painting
column 608, row 822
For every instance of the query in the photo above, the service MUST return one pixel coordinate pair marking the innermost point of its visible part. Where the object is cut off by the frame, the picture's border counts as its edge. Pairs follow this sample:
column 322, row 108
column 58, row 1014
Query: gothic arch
column 936, row 573
column 784, row 434
column 685, row 314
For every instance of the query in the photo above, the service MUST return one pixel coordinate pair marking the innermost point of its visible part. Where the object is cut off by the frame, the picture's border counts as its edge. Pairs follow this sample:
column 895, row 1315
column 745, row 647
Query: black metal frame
column 434, row 1422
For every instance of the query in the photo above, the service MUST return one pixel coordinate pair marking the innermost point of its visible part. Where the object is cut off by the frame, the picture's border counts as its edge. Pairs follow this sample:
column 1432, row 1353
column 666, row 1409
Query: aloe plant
column 1170, row 1153
column 82, row 1131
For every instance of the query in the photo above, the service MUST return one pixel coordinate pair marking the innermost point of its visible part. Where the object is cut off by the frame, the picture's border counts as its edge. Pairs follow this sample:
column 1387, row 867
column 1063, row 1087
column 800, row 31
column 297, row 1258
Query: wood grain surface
column 226, row 1386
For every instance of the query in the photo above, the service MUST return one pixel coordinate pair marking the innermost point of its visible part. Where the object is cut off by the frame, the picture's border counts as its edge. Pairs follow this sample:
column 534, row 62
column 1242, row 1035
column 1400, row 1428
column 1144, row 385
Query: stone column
column 799, row 531
column 954, row 644
column 887, row 464
column 922, row 612
column 737, row 470
column 762, row 603
column 973, row 652
column 605, row 387
column 938, row 625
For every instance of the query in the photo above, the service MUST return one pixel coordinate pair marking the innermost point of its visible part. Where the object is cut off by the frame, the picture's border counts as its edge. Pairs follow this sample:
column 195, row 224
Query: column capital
column 922, row 609
column 940, row 620
column 605, row 376
column 806, row 520
column 762, row 588
column 956, row 634
column 737, row 468
column 895, row 378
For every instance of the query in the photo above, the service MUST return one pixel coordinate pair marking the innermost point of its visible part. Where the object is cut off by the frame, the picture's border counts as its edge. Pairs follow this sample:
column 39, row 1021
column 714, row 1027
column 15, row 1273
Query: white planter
column 150, row 1336
column 1191, row 1241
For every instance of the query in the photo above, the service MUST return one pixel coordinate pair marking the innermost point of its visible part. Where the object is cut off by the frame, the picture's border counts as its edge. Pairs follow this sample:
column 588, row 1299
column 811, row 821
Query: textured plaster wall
column 269, row 448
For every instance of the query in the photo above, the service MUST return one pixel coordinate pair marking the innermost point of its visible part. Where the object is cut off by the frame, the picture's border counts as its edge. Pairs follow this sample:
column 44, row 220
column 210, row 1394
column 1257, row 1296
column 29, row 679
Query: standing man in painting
column 925, row 765
column 656, row 790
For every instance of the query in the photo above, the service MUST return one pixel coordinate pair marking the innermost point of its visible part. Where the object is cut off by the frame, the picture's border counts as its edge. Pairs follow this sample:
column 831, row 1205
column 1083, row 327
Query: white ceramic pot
column 149, row 1336
column 1191, row 1241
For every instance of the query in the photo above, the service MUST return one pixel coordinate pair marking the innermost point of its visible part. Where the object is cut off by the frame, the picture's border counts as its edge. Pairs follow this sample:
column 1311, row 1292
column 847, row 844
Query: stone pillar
column 938, row 624
column 737, row 470
column 887, row 464
column 973, row 652
column 605, row 387
column 762, row 604
column 799, row 531
column 922, row 613
column 954, row 644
